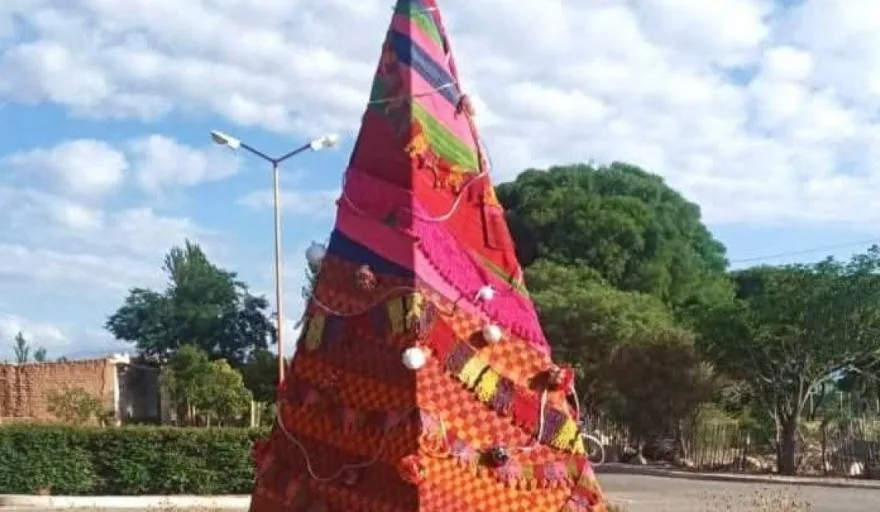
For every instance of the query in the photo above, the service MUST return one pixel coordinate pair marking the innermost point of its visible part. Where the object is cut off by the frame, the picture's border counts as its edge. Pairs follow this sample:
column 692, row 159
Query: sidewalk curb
column 125, row 502
column 629, row 469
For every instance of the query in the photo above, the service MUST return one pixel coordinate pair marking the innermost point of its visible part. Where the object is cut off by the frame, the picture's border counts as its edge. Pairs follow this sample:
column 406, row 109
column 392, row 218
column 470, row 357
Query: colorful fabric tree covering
column 481, row 424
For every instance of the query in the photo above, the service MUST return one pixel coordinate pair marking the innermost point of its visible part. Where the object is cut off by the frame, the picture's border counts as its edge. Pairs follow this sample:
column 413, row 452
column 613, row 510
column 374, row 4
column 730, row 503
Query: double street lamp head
column 324, row 142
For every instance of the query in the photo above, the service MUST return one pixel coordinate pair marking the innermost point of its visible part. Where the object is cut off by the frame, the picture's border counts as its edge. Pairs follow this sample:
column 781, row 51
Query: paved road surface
column 641, row 493
column 658, row 494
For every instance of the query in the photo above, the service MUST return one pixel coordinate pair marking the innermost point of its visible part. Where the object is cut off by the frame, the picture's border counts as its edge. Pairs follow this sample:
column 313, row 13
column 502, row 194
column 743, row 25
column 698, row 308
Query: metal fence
column 848, row 447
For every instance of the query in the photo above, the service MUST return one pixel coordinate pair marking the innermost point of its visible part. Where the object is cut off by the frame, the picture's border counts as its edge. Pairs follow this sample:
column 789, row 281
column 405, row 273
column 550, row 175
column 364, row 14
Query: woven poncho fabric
column 475, row 424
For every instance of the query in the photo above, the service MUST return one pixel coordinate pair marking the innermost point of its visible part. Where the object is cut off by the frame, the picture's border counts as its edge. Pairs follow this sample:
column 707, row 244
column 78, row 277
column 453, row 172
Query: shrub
column 76, row 406
column 125, row 461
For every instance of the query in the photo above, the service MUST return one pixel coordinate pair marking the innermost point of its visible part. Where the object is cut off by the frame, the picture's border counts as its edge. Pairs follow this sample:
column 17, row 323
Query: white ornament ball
column 486, row 293
column 414, row 358
column 492, row 333
column 315, row 254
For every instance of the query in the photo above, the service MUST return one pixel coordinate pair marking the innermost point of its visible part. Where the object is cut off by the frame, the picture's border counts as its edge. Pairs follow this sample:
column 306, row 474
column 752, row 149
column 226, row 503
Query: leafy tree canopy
column 261, row 375
column 626, row 224
column 792, row 328
column 587, row 319
column 632, row 359
column 659, row 383
column 212, row 389
column 202, row 304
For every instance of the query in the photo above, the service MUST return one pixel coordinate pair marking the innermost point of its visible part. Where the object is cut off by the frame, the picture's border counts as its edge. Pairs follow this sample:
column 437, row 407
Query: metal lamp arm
column 259, row 153
column 295, row 152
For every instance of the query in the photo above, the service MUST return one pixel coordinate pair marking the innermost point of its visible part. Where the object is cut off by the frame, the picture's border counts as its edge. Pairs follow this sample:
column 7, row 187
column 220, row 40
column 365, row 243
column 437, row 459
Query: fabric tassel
column 495, row 232
column 333, row 328
column 525, row 410
column 395, row 315
column 443, row 341
column 459, row 357
column 415, row 304
column 315, row 332
column 503, row 398
column 472, row 371
column 528, row 474
column 553, row 424
column 488, row 386
column 510, row 472
column 555, row 472
column 566, row 435
column 578, row 447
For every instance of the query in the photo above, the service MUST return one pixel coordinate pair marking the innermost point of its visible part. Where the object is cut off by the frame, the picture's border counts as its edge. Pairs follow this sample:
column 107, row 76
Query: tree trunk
column 680, row 442
column 786, row 446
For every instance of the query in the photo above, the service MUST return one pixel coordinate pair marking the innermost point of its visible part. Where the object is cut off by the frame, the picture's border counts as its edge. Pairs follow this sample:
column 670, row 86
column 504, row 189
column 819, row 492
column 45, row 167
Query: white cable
column 537, row 440
column 439, row 218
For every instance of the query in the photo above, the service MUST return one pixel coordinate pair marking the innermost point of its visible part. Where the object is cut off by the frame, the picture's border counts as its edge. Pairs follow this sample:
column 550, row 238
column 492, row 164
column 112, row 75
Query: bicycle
column 595, row 448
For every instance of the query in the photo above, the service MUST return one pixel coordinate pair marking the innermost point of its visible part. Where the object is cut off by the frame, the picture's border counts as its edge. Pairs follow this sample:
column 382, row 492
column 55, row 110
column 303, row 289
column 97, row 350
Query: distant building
column 130, row 391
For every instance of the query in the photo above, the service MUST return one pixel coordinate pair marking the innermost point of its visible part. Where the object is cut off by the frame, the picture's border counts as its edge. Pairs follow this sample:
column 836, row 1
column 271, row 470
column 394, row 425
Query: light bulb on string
column 414, row 358
column 315, row 254
column 492, row 333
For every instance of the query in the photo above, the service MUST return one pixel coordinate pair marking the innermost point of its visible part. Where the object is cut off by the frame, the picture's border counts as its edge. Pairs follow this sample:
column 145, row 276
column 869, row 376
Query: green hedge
column 125, row 461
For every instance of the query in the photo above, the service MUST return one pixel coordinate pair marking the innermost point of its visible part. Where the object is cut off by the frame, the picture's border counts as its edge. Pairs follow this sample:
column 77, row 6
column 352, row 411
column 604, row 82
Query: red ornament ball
column 365, row 279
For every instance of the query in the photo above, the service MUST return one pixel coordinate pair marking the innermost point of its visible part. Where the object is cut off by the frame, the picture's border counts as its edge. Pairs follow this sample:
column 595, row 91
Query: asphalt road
column 639, row 493
column 642, row 493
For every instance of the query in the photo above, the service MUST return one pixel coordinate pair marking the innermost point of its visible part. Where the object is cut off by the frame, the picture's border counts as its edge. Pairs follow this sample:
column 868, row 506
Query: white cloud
column 160, row 162
column 669, row 90
column 762, row 114
column 90, row 273
column 728, row 32
column 312, row 203
column 88, row 168
column 84, row 167
column 52, row 240
column 40, row 334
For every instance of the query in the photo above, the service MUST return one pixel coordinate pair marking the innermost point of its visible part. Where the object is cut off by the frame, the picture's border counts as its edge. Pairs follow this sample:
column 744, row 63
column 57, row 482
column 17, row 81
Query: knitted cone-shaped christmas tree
column 422, row 381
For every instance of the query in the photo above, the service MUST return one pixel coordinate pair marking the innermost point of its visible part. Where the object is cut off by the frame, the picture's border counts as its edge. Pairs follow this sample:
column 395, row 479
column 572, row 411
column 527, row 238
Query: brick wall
column 24, row 388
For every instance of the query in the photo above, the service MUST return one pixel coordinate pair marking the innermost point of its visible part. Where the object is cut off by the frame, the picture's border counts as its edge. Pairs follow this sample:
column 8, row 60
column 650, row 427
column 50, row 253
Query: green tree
column 182, row 377
column 587, row 319
column 261, row 375
column 793, row 328
column 659, row 384
column 202, row 304
column 222, row 396
column 21, row 349
column 212, row 390
column 637, row 233
column 40, row 355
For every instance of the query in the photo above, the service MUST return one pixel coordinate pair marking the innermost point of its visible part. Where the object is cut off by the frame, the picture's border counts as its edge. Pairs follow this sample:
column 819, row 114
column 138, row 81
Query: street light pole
column 279, row 302
column 325, row 142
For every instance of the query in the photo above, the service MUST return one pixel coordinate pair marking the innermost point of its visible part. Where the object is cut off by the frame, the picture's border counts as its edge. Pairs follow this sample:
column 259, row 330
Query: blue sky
column 762, row 112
